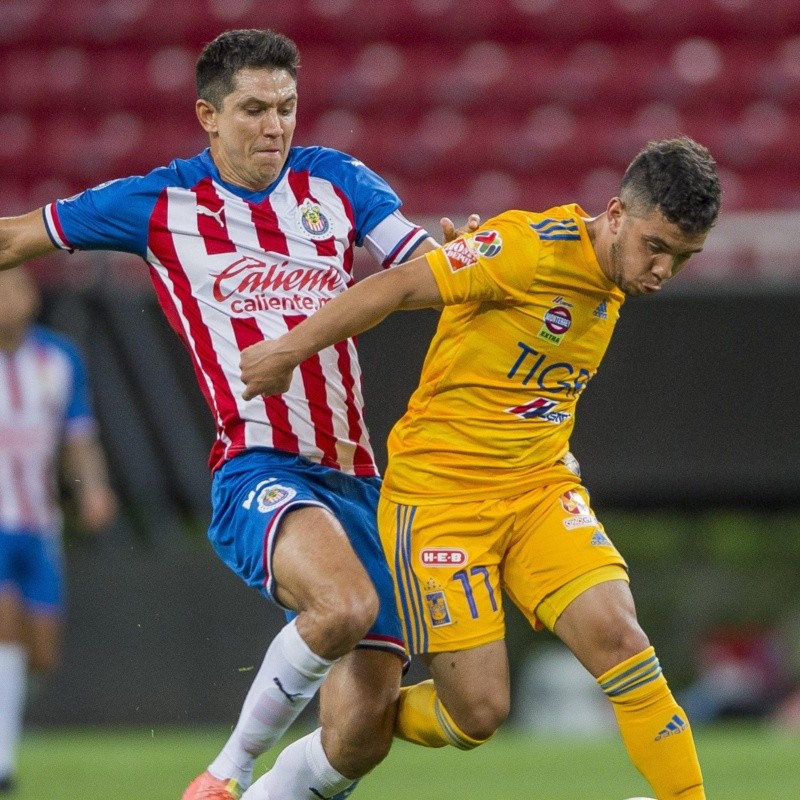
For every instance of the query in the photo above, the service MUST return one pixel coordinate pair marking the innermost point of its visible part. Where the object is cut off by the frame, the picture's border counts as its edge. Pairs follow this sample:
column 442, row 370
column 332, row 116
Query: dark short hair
column 232, row 51
column 679, row 178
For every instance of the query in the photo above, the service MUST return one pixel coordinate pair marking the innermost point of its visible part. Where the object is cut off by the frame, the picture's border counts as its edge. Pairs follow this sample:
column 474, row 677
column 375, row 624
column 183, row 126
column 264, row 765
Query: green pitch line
column 740, row 763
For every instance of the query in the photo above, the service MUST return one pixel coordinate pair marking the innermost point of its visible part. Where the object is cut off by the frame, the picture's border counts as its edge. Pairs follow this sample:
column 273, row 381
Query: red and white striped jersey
column 232, row 267
column 43, row 398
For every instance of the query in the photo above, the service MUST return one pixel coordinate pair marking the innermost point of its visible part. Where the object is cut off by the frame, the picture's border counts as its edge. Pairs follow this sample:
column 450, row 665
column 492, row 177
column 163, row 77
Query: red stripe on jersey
column 57, row 223
column 351, row 235
column 362, row 458
column 204, row 359
column 300, row 186
column 211, row 222
column 314, row 384
column 268, row 229
column 247, row 333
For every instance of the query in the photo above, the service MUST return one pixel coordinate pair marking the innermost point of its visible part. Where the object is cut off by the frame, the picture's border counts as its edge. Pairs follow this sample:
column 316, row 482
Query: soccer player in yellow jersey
column 481, row 492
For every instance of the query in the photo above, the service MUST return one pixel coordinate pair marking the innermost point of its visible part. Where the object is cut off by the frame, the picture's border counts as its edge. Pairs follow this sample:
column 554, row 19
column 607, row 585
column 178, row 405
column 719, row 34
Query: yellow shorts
column 451, row 563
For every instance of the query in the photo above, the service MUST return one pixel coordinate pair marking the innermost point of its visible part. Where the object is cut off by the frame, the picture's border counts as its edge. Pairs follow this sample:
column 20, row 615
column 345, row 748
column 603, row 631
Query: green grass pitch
column 739, row 762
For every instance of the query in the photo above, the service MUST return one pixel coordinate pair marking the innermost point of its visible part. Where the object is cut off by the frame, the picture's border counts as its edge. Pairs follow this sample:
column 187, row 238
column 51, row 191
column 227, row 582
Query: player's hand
column 264, row 371
column 97, row 508
column 450, row 232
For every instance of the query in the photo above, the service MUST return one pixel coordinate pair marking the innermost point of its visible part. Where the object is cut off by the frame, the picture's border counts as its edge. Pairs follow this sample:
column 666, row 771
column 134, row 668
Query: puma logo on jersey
column 207, row 212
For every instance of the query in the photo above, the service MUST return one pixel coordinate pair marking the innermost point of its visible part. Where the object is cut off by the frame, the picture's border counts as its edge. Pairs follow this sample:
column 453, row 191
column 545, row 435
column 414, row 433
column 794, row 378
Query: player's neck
column 597, row 230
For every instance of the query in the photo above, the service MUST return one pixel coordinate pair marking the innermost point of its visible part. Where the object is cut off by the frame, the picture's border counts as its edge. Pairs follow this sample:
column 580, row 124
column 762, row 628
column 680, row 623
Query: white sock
column 287, row 680
column 13, row 675
column 301, row 772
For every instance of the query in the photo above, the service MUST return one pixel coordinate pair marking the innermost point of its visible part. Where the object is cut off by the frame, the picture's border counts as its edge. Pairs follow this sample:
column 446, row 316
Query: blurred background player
column 481, row 494
column 243, row 241
column 46, row 426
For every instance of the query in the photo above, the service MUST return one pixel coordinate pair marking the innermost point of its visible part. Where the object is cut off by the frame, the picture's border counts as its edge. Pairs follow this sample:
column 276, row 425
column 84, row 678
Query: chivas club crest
column 313, row 222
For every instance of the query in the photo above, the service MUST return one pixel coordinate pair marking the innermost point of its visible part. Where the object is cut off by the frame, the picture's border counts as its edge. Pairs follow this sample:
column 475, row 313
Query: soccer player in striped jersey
column 243, row 242
column 46, row 425
column 481, row 493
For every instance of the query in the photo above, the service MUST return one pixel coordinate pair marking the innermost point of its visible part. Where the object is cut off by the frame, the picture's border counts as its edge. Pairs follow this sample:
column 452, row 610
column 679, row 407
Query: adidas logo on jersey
column 599, row 539
column 601, row 312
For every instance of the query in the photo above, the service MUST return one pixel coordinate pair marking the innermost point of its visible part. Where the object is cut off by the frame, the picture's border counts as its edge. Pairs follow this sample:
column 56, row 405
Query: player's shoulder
column 181, row 173
column 326, row 162
column 558, row 224
column 56, row 342
column 184, row 172
column 303, row 156
column 515, row 222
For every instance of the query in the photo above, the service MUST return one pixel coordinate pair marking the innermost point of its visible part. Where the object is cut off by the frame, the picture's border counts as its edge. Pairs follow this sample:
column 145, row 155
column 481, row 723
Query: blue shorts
column 250, row 495
column 31, row 566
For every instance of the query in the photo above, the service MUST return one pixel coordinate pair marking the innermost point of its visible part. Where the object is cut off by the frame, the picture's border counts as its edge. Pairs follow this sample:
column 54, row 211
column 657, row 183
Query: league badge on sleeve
column 488, row 243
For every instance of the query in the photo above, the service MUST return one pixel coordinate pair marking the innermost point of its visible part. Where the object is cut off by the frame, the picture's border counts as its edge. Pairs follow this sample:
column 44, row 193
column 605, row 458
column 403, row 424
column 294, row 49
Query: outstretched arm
column 23, row 238
column 267, row 366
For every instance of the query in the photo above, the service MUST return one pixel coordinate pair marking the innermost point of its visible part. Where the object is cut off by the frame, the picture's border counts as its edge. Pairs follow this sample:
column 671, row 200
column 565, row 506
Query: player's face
column 19, row 304
column 252, row 133
column 647, row 250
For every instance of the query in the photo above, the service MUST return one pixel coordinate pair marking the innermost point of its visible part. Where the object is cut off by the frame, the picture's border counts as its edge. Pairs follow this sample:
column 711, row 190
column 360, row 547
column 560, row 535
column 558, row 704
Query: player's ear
column 207, row 115
column 615, row 210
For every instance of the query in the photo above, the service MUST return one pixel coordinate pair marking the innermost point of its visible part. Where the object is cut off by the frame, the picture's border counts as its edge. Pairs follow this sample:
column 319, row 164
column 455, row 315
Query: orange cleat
column 207, row 787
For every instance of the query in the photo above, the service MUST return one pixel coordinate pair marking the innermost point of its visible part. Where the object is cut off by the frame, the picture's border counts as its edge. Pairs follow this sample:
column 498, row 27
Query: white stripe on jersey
column 35, row 383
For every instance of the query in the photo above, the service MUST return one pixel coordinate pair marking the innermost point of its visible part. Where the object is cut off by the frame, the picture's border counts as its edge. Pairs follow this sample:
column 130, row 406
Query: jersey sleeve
column 77, row 415
column 388, row 236
column 394, row 239
column 498, row 262
column 111, row 216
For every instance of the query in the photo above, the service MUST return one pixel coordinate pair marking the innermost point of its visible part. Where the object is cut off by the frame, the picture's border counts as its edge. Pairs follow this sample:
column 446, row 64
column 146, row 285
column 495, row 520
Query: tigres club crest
column 437, row 608
column 313, row 222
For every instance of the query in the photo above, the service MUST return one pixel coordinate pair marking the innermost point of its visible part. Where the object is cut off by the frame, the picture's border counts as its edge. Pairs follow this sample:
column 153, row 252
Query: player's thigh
column 11, row 614
column 273, row 525
column 358, row 704
column 559, row 549
column 473, row 684
column 445, row 561
column 313, row 561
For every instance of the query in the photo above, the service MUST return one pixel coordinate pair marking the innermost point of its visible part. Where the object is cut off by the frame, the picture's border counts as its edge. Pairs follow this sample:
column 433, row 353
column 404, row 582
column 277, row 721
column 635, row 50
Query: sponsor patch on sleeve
column 460, row 254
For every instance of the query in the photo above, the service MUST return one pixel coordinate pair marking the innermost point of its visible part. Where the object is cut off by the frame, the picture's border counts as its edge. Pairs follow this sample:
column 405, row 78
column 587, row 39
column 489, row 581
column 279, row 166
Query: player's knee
column 343, row 617
column 480, row 720
column 619, row 642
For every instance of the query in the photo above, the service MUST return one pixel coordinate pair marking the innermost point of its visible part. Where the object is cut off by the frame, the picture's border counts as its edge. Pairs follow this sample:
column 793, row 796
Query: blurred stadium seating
column 468, row 105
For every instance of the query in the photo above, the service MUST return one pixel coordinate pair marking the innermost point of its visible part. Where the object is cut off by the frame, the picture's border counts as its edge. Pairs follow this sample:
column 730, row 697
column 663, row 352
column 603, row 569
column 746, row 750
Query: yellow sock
column 422, row 719
column 654, row 727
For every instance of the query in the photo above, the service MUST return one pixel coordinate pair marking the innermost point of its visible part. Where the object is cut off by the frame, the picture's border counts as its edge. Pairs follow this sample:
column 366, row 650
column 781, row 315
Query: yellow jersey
column 528, row 317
